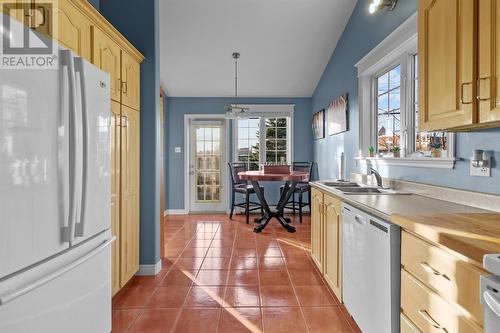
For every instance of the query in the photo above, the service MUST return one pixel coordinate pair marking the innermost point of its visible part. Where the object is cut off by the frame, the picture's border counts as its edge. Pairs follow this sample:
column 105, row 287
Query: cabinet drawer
column 430, row 312
column 407, row 326
column 454, row 279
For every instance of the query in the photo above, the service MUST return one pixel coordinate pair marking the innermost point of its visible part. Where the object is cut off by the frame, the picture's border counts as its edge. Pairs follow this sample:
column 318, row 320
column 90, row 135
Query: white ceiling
column 285, row 45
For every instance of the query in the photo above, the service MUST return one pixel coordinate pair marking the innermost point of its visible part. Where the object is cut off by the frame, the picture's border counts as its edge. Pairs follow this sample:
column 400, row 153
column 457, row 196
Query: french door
column 207, row 166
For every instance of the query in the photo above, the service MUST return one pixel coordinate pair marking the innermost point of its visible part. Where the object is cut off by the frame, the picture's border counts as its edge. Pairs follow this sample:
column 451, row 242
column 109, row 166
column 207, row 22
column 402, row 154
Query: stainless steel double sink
column 351, row 188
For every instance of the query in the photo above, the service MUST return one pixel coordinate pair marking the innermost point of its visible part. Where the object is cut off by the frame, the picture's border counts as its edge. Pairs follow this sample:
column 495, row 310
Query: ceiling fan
column 234, row 111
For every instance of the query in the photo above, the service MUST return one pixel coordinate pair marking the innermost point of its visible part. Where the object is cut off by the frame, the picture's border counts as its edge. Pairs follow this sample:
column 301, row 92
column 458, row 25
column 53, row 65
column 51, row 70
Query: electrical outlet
column 177, row 150
column 484, row 171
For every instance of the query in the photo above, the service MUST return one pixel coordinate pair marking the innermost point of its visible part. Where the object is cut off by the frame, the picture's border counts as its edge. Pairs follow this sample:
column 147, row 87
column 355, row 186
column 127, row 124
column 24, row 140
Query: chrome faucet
column 377, row 176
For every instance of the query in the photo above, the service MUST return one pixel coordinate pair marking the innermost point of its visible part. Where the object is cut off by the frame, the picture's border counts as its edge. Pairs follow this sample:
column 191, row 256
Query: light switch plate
column 481, row 171
column 177, row 150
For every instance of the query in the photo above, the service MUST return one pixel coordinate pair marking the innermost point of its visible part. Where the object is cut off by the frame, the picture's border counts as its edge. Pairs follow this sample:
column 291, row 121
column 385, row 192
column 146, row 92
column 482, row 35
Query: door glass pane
column 208, row 168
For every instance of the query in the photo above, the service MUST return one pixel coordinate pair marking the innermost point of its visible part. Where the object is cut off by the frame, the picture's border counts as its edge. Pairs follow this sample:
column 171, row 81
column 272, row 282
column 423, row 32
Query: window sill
column 419, row 162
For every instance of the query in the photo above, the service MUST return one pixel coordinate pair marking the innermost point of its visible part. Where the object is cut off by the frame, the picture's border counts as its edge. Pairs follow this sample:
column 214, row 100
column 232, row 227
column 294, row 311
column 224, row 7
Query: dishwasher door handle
column 492, row 302
column 360, row 219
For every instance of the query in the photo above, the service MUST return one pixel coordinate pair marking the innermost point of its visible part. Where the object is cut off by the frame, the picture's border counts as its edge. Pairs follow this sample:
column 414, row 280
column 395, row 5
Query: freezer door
column 34, row 164
column 490, row 299
column 93, row 103
column 70, row 293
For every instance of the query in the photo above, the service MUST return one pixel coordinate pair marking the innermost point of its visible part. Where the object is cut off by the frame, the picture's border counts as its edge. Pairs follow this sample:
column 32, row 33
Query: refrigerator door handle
column 13, row 294
column 492, row 302
column 80, row 226
column 73, row 133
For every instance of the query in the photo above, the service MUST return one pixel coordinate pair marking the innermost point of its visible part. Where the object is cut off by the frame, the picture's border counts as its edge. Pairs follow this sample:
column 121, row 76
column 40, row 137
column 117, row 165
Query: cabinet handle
column 428, row 268
column 478, row 88
column 124, row 88
column 124, row 121
column 462, row 92
column 429, row 319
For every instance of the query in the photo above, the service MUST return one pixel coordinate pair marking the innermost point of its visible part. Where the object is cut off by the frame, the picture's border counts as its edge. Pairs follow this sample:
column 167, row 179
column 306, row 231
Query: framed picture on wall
column 337, row 115
column 318, row 125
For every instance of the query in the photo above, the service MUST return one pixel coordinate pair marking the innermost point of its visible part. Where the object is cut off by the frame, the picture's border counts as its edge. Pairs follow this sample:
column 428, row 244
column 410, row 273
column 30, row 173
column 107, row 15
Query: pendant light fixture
column 234, row 110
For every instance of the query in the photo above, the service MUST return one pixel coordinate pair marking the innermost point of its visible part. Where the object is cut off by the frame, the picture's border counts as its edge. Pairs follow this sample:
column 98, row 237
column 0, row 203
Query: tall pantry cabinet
column 81, row 28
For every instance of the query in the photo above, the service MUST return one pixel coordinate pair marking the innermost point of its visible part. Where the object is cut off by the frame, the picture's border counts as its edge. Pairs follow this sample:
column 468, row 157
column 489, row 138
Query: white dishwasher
column 371, row 254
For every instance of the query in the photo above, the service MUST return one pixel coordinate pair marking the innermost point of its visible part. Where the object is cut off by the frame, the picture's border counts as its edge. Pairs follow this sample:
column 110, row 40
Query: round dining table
column 290, row 179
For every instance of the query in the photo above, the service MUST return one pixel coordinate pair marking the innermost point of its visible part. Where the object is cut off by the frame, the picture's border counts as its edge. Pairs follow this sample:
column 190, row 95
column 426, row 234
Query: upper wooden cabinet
column 489, row 61
column 130, row 82
column 446, row 31
column 107, row 56
column 459, row 70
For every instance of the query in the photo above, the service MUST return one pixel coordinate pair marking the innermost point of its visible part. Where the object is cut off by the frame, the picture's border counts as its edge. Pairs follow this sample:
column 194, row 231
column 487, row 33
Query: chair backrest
column 235, row 168
column 303, row 167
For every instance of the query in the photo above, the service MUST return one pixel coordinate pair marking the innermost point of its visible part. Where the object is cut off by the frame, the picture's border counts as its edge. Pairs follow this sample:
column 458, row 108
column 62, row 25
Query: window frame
column 397, row 49
column 267, row 112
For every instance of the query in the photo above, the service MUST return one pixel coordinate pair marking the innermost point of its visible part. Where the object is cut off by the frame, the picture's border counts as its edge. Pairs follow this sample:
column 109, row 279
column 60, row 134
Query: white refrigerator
column 55, row 239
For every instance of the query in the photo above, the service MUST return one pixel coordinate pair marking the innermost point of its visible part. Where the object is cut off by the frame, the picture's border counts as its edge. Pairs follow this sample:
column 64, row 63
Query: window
column 388, row 101
column 248, row 142
column 263, row 139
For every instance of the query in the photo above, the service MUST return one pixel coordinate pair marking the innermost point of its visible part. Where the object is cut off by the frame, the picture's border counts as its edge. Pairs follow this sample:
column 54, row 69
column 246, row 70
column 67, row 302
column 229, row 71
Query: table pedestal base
column 278, row 214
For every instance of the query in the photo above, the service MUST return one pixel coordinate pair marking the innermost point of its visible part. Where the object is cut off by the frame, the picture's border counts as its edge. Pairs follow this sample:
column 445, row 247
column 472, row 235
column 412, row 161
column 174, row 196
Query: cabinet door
column 447, row 69
column 131, row 84
column 489, row 61
column 332, row 238
column 107, row 56
column 317, row 228
column 130, row 156
column 115, row 193
column 73, row 27
column 14, row 8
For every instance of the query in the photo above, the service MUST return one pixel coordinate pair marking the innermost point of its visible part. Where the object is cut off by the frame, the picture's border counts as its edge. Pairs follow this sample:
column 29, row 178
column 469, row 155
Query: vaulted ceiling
column 285, row 45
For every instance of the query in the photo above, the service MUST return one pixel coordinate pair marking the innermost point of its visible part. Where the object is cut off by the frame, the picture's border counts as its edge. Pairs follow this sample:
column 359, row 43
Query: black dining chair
column 301, row 188
column 242, row 187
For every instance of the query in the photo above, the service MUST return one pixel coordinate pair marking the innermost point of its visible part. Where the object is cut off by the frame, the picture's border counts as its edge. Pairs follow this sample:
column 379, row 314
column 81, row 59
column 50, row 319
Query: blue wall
column 95, row 3
column 362, row 33
column 177, row 107
column 138, row 21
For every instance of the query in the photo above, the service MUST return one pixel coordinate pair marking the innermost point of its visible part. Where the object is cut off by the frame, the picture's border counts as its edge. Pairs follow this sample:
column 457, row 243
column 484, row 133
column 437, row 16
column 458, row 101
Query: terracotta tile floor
column 218, row 276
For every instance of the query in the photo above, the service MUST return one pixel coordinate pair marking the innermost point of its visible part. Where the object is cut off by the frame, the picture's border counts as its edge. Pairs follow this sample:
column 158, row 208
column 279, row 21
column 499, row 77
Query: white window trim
column 394, row 49
column 267, row 111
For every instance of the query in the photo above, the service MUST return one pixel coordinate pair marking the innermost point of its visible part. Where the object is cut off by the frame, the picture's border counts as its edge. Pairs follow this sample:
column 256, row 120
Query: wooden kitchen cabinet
column 317, row 228
column 488, row 81
column 130, row 174
column 333, row 247
column 447, row 68
column 326, row 235
column 130, row 82
column 107, row 56
column 115, row 192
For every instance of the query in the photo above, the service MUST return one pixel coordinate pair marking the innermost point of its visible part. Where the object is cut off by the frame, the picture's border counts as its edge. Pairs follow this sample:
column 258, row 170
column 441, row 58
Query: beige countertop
column 469, row 231
column 385, row 206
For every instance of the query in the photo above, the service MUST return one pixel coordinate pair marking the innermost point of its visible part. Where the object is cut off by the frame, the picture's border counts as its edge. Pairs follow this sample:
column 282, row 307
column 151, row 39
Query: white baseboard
column 149, row 270
column 175, row 212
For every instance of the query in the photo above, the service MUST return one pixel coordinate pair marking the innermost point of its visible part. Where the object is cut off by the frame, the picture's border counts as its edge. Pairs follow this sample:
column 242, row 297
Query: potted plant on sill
column 396, row 151
column 371, row 151
column 436, row 149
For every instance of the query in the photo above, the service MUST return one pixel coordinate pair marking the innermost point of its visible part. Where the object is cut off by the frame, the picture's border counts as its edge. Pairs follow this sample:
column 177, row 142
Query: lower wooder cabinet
column 326, row 238
column 82, row 29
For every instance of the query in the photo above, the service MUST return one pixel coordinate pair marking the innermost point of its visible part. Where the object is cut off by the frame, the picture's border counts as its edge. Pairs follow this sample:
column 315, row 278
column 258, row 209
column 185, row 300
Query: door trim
column 187, row 152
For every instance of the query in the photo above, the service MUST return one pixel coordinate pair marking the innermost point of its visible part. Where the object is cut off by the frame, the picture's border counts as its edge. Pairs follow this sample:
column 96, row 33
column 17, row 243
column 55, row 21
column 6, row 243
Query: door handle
column 478, row 88
column 13, row 294
column 429, row 319
column 462, row 92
